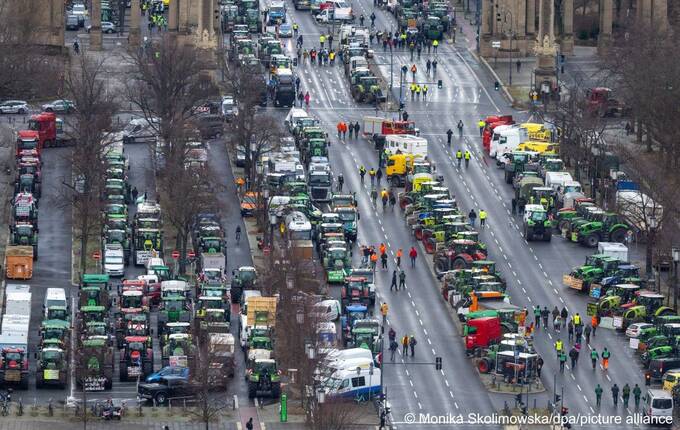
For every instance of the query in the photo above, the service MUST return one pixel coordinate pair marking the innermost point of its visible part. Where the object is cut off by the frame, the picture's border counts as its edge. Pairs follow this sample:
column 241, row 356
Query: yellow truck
column 397, row 167
column 261, row 311
column 539, row 132
column 19, row 262
column 539, row 147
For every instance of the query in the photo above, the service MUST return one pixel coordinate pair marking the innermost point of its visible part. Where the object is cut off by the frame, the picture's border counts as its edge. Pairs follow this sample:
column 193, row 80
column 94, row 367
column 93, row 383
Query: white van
column 406, row 144
column 657, row 404
column 351, row 364
column 348, row 354
column 293, row 115
column 341, row 12
column 55, row 297
column 495, row 138
column 353, row 384
column 557, row 179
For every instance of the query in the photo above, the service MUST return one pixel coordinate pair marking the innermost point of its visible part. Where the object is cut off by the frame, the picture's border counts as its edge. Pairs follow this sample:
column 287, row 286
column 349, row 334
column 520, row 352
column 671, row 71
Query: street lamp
column 651, row 238
column 675, row 252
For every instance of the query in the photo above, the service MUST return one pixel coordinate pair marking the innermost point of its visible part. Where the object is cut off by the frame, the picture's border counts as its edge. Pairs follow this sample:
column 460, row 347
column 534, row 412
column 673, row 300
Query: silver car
column 14, row 106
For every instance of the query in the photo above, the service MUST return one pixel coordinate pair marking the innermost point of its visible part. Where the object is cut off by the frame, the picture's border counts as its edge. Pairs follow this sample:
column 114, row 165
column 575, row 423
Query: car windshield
column 114, row 260
column 247, row 275
column 115, row 236
column 662, row 403
column 29, row 144
column 319, row 180
column 347, row 216
column 51, row 355
column 538, row 216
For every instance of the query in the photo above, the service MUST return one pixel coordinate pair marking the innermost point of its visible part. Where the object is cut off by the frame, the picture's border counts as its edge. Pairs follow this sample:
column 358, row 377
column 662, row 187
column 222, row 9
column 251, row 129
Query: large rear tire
column 592, row 240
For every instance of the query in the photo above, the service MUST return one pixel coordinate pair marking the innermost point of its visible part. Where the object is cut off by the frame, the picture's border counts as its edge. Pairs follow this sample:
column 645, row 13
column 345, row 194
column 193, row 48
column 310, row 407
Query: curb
column 495, row 75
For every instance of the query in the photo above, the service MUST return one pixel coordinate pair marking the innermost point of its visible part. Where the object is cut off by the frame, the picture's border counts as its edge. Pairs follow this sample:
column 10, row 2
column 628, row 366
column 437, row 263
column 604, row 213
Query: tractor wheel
column 252, row 390
column 483, row 365
column 395, row 181
column 123, row 372
column 276, row 390
column 459, row 263
column 528, row 235
column 547, row 236
column 592, row 240
column 442, row 265
column 618, row 235
column 563, row 225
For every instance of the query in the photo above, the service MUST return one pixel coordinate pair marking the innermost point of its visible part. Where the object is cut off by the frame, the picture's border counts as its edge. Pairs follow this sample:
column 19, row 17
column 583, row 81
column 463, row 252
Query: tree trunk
column 649, row 251
column 182, row 238
column 638, row 135
column 84, row 233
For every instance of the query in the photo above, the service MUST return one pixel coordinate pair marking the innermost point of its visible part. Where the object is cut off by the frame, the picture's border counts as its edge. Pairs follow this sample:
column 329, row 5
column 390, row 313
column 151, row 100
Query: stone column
column 96, row 26
column 545, row 45
column 531, row 17
column 606, row 16
column 184, row 16
column 173, row 17
column 660, row 15
column 485, row 30
column 567, row 38
column 135, row 18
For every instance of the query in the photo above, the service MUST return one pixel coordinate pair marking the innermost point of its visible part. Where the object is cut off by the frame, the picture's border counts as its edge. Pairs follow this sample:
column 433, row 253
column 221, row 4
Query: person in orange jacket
column 399, row 255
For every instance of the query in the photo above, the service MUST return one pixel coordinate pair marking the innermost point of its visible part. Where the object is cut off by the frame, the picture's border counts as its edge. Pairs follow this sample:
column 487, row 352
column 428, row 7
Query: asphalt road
column 533, row 271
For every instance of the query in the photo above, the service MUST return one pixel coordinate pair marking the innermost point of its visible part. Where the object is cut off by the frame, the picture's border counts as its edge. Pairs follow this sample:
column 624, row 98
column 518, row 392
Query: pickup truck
column 167, row 388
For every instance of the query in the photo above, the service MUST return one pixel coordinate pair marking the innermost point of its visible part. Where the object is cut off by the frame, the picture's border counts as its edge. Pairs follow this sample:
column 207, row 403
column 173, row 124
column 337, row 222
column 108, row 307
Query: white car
column 14, row 106
column 114, row 260
column 65, row 106
column 634, row 330
column 327, row 310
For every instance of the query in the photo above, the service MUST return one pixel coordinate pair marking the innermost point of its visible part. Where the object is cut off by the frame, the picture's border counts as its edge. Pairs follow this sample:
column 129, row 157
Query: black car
column 167, row 388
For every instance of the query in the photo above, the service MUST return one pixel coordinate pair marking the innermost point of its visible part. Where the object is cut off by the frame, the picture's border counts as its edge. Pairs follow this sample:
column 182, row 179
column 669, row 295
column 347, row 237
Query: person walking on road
column 371, row 174
column 537, row 316
column 459, row 156
column 586, row 331
column 557, row 323
column 605, row 358
column 412, row 342
column 383, row 261
column 564, row 314
column 378, row 175
column 625, row 393
column 362, row 173
column 399, row 255
column 307, row 97
column 467, row 156
column 449, row 133
column 402, row 280
column 393, row 285
column 559, row 346
column 563, row 359
column 392, row 334
column 594, row 322
column 598, row 395
column 573, row 355
column 384, row 308
column 539, row 366
column 404, row 345
column 341, row 181
column 413, row 254
column 594, row 357
column 545, row 313
column 482, row 218
column 460, row 128
column 472, row 216
column 615, row 394
column 481, row 125
column 374, row 261
column 393, row 348
column 249, row 424
column 636, row 395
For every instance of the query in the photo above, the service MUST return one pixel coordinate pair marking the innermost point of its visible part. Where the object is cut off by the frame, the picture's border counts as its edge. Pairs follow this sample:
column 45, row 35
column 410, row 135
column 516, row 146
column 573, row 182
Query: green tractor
column 25, row 234
column 655, row 353
column 316, row 147
column 178, row 344
column 617, row 298
column 649, row 305
column 366, row 334
column 336, row 261
column 51, row 368
column 587, row 215
column 544, row 196
column 366, row 89
column 349, row 217
column 565, row 215
column 433, row 28
column 243, row 278
column 264, row 377
column 608, row 228
column 516, row 163
column 447, row 232
column 536, row 223
column 596, row 268
column 426, row 223
column 56, row 333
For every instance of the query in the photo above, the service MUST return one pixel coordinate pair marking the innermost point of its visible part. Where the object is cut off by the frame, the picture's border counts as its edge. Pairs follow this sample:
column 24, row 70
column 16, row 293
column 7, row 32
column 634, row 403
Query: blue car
column 182, row 372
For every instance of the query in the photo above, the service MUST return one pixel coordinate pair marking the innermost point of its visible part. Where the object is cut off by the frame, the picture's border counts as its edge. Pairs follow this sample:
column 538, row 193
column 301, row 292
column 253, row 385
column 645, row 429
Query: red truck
column 28, row 144
column 491, row 123
column 482, row 332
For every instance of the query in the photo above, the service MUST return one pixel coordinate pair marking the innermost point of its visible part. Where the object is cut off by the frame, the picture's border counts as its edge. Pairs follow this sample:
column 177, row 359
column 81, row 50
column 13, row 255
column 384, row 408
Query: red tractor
column 459, row 255
column 356, row 290
column 28, row 144
column 136, row 358
column 600, row 102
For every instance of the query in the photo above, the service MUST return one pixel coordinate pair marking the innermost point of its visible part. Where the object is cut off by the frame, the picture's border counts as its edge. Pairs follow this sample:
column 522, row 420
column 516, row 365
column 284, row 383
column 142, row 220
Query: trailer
column 14, row 353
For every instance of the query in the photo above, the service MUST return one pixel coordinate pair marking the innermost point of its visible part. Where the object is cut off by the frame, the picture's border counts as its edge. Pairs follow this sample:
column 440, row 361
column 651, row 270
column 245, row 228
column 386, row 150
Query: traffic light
column 496, row 85
column 557, row 398
column 438, row 363
column 440, row 84
column 648, row 378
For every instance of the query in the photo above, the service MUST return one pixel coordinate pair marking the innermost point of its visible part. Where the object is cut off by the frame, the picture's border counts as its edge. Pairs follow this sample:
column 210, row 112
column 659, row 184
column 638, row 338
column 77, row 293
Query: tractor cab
column 93, row 296
column 93, row 313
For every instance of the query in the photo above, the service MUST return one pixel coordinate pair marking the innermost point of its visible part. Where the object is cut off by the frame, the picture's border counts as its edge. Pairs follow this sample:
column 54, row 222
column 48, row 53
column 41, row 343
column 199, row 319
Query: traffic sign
column 175, row 254
column 97, row 255
column 495, row 43
column 191, row 254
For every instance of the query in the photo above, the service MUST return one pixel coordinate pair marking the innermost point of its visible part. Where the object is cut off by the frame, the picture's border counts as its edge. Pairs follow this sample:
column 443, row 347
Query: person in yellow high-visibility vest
column 435, row 43
column 481, row 125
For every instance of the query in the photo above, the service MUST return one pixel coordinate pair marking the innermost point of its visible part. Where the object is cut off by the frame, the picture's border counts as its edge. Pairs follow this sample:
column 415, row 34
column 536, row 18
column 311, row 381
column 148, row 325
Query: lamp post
column 651, row 238
column 675, row 252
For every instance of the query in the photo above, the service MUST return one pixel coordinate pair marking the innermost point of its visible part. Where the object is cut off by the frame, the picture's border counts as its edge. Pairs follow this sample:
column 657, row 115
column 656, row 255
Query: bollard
column 20, row 412
column 235, row 402
column 50, row 411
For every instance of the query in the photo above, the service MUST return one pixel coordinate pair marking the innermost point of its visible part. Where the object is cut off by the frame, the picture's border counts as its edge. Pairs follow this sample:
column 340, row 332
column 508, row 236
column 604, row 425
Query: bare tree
column 253, row 134
column 167, row 82
column 90, row 126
